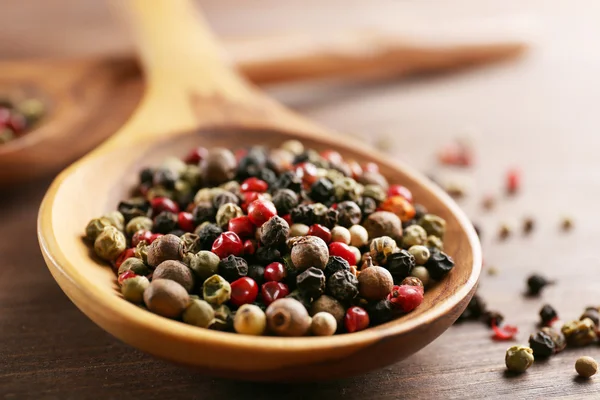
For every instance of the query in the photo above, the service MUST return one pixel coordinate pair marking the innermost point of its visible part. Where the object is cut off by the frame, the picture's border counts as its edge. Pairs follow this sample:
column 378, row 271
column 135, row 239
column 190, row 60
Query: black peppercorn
column 285, row 200
column 266, row 255
column 267, row 175
column 491, row 318
column 367, row 206
column 232, row 268
column 207, row 235
column 542, row 344
column 381, row 312
column 400, row 265
column 165, row 222
column 535, row 284
column 203, row 212
column 302, row 297
column 475, row 309
column 439, row 264
column 257, row 272
column 420, row 211
column 311, row 282
column 328, row 219
column 177, row 232
column 322, row 191
column 410, row 222
column 224, row 198
column 146, row 176
column 348, row 214
column 136, row 207
column 303, row 214
column 251, row 163
column 288, row 180
column 335, row 264
column 274, row 232
column 342, row 285
column 164, row 177
column 547, row 314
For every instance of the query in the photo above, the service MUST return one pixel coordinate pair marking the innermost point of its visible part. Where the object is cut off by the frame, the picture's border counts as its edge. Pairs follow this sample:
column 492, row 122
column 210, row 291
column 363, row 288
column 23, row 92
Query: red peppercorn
column 228, row 243
column 504, row 332
column 370, row 167
column 240, row 153
column 185, row 220
column 260, row 211
column 342, row 250
column 356, row 319
column 254, row 185
column 513, row 181
column 154, row 237
column 128, row 253
column 288, row 219
column 243, row 291
column 249, row 247
column 356, row 169
column 160, row 204
column 406, row 297
column 332, row 156
column 17, row 123
column 402, row 191
column 320, row 231
column 272, row 291
column 141, row 236
column 242, row 226
column 126, row 275
column 307, row 172
column 4, row 116
column 274, row 272
column 196, row 155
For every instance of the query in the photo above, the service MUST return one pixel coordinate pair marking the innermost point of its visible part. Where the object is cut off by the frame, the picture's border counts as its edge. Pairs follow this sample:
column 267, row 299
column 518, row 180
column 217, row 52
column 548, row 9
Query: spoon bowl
column 206, row 104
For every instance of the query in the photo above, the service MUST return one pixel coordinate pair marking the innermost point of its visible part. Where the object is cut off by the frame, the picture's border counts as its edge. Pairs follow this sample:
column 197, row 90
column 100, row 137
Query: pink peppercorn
column 356, row 319
column 272, row 291
column 185, row 220
column 125, row 275
column 260, row 211
column 228, row 243
column 406, row 297
column 243, row 291
column 196, row 155
column 513, row 181
column 242, row 226
column 274, row 272
column 249, row 247
column 320, row 231
column 128, row 253
column 154, row 237
column 342, row 250
column 402, row 191
column 160, row 204
column 141, row 236
column 254, row 185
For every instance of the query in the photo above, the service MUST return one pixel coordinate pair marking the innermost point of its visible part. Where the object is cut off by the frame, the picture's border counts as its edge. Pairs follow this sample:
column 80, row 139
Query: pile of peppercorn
column 285, row 241
column 16, row 117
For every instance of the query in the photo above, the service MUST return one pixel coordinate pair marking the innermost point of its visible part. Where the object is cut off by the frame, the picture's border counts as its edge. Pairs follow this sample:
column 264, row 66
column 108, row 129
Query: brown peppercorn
column 287, row 317
column 218, row 166
column 166, row 297
column 309, row 251
column 330, row 305
column 375, row 283
column 384, row 223
column 175, row 271
column 167, row 247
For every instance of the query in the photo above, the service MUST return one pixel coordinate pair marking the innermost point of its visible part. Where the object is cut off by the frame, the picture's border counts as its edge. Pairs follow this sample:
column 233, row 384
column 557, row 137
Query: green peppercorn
column 141, row 252
column 204, row 264
column 116, row 219
column 190, row 243
column 274, row 232
column 342, row 285
column 519, row 358
column 133, row 289
column 381, row 248
column 434, row 242
column 323, row 324
column 192, row 175
column 287, row 317
column 167, row 247
column 110, row 243
column 218, row 166
column 223, row 320
column 216, row 290
column 384, row 223
column 586, row 366
column 158, row 191
column 346, row 189
column 311, row 282
column 166, row 297
column 579, row 333
column 420, row 253
column 593, row 314
column 138, row 224
column 414, row 235
column 375, row 192
column 329, row 305
column 227, row 212
column 433, row 225
column 250, row 320
column 199, row 313
column 6, row 135
column 95, row 227
column 422, row 274
column 375, row 283
column 134, row 265
column 175, row 271
column 309, row 251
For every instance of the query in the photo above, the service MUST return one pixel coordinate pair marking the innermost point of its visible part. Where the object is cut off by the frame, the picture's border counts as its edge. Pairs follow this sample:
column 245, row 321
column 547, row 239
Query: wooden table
column 539, row 114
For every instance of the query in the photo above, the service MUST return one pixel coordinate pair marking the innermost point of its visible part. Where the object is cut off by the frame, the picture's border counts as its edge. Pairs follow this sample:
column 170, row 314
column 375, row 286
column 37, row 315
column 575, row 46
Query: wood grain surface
column 539, row 114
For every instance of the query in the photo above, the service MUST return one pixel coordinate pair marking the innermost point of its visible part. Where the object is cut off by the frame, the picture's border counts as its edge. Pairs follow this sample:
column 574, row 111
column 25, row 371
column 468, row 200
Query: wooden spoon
column 192, row 99
column 90, row 99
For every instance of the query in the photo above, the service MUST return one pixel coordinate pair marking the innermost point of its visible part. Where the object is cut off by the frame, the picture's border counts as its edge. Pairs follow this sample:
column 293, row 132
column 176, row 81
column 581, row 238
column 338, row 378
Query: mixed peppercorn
column 286, row 241
column 17, row 117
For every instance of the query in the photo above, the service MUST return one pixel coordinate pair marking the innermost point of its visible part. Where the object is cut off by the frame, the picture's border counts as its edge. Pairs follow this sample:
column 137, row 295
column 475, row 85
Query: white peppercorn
column 323, row 324
column 359, row 236
column 250, row 320
column 340, row 234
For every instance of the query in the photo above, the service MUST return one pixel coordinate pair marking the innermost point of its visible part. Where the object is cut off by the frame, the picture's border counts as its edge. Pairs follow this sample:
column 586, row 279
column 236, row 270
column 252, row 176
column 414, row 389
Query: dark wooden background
column 539, row 114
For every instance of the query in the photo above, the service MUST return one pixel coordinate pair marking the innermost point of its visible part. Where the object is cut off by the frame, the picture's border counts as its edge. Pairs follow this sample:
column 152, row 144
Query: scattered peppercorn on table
column 539, row 115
